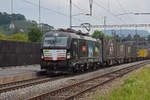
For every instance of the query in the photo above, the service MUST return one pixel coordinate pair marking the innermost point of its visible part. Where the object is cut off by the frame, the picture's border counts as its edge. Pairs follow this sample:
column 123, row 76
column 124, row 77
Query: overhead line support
column 116, row 26
column 70, row 14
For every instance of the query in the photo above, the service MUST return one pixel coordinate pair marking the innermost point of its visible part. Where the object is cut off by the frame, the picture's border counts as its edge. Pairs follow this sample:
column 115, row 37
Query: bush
column 108, row 37
column 3, row 37
column 19, row 37
column 35, row 35
column 99, row 35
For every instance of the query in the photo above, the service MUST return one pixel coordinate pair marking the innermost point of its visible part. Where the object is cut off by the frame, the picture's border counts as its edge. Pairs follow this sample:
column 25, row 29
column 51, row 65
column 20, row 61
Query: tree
column 108, row 37
column 35, row 35
column 6, row 18
column 136, row 37
column 129, row 37
column 19, row 37
column 118, row 38
column 98, row 34
column 18, row 17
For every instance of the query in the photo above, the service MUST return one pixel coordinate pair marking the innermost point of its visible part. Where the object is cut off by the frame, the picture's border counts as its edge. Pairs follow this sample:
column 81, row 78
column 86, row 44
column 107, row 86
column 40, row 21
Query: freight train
column 70, row 51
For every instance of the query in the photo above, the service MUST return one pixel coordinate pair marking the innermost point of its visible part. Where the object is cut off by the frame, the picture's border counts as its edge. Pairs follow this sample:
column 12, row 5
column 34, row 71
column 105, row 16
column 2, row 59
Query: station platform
column 18, row 73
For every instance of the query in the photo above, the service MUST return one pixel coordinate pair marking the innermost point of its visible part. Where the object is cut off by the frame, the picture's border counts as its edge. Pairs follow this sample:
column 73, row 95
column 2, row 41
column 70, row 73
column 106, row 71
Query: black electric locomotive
column 67, row 51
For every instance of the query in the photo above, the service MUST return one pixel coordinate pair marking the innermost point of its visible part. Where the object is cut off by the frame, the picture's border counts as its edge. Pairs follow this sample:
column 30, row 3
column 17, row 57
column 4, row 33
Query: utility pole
column 121, row 34
column 105, row 24
column 40, row 25
column 91, row 6
column 11, row 6
column 109, row 5
column 39, row 12
column 70, row 14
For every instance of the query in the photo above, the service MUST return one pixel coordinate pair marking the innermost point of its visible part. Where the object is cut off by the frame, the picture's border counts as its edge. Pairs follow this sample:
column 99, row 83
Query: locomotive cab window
column 55, row 41
column 61, row 41
column 48, row 41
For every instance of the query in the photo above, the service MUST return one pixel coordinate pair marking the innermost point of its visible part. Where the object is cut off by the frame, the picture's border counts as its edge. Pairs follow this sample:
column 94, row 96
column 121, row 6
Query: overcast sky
column 56, row 12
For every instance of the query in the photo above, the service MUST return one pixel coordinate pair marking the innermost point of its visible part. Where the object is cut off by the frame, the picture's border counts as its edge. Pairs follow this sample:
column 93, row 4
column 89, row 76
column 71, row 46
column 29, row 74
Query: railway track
column 76, row 89
column 26, row 83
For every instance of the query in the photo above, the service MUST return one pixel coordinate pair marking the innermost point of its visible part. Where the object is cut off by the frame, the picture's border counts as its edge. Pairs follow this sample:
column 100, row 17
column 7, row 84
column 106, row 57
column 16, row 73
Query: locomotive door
column 75, row 48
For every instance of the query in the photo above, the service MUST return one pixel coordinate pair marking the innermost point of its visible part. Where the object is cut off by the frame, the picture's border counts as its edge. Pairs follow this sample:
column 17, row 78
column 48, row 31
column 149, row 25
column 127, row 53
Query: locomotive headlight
column 42, row 56
column 68, row 56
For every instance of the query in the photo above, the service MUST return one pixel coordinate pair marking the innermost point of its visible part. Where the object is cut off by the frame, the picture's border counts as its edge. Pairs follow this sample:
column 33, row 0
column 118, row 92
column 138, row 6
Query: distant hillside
column 6, row 18
column 17, row 23
column 125, row 32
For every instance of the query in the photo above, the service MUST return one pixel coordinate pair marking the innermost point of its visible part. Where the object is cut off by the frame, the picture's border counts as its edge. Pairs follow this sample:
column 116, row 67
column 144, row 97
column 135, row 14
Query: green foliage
column 135, row 87
column 136, row 37
column 129, row 37
column 3, row 37
column 19, row 37
column 108, row 37
column 98, row 34
column 16, row 37
column 35, row 35
column 18, row 17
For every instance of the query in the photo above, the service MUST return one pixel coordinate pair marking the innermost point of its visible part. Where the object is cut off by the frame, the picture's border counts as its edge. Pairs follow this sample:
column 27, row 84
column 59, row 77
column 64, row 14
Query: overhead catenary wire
column 79, row 8
column 121, row 6
column 107, row 10
column 96, row 18
column 50, row 10
column 33, row 4
column 101, row 7
column 39, row 12
column 124, row 11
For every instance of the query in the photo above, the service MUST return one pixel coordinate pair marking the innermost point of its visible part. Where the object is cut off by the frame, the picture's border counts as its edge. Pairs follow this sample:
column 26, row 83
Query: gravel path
column 12, row 71
column 20, row 67
column 25, row 93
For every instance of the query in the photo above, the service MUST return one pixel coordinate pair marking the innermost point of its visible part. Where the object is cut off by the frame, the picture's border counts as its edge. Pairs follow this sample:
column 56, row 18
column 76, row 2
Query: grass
column 134, row 87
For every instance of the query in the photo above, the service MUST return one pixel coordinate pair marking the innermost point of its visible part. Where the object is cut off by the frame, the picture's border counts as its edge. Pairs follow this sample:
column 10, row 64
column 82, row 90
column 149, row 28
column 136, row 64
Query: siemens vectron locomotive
column 70, row 51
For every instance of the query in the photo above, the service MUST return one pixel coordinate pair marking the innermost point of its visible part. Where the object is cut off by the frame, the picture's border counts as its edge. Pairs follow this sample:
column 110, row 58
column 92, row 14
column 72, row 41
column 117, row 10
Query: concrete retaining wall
column 14, row 53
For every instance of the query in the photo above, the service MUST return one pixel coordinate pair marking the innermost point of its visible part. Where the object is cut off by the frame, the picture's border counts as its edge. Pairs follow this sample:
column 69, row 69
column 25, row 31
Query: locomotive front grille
column 54, row 54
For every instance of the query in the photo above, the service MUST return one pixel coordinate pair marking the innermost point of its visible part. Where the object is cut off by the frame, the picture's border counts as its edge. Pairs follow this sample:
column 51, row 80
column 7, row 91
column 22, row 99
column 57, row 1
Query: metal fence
column 14, row 53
